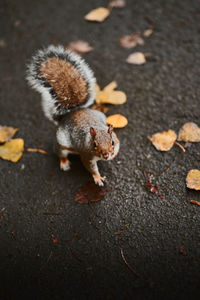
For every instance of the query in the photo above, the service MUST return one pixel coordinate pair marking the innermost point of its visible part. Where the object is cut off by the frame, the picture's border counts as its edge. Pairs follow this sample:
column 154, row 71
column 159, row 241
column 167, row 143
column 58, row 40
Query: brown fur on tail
column 68, row 84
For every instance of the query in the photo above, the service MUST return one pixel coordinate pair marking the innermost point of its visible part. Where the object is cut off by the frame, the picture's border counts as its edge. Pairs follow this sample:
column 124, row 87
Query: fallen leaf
column 136, row 58
column 195, row 202
column 89, row 192
column 6, row 133
column 98, row 14
column 117, row 121
column 100, row 107
column 193, row 179
column 131, row 41
column 109, row 96
column 80, row 46
column 12, row 150
column 111, row 86
column 117, row 3
column 55, row 241
column 148, row 32
column 189, row 132
column 163, row 141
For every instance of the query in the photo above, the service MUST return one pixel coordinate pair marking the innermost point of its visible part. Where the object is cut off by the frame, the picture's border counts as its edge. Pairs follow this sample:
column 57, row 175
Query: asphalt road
column 164, row 93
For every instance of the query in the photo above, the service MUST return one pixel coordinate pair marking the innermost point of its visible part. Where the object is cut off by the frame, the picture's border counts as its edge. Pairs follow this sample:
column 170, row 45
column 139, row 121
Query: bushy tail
column 63, row 78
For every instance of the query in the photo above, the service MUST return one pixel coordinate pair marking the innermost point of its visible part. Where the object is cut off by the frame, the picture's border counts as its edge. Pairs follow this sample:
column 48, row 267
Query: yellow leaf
column 12, row 150
column 98, row 14
column 117, row 121
column 163, row 141
column 109, row 96
column 6, row 133
column 190, row 132
column 193, row 179
column 110, row 87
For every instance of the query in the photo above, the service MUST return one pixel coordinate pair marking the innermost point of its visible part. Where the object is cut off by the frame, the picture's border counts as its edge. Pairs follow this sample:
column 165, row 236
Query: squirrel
column 68, row 87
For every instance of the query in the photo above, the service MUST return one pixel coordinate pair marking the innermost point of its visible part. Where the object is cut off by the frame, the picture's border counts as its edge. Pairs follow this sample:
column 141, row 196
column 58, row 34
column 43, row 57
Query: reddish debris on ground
column 153, row 188
column 182, row 251
column 89, row 192
column 55, row 241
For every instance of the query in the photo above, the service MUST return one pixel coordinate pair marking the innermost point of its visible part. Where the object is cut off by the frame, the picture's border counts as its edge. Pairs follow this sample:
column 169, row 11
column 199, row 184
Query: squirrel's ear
column 110, row 129
column 92, row 132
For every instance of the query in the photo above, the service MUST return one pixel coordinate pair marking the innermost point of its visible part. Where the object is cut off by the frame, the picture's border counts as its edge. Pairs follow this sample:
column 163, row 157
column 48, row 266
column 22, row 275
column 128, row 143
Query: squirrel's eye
column 94, row 144
column 113, row 143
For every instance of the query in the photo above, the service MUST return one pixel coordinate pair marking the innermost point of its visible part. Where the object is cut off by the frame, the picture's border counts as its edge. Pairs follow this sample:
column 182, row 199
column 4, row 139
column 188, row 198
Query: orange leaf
column 163, row 141
column 193, row 179
column 117, row 121
column 6, row 133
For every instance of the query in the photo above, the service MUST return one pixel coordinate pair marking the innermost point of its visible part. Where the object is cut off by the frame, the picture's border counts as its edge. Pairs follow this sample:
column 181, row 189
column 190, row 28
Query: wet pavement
column 131, row 227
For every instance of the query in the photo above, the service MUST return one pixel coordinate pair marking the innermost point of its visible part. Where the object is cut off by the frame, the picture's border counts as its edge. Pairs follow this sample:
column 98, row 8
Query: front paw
column 64, row 164
column 99, row 180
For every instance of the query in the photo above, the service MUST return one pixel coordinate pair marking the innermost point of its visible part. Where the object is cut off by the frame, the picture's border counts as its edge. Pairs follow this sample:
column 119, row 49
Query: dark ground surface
column 164, row 93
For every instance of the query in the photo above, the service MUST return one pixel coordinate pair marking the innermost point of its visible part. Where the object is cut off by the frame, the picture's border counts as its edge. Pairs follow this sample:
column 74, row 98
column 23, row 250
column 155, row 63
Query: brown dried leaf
column 193, row 179
column 6, row 133
column 189, row 132
column 131, row 41
column 98, row 14
column 136, row 58
column 80, row 47
column 117, row 3
column 12, row 150
column 117, row 121
column 100, row 107
column 89, row 192
column 163, row 141
column 148, row 32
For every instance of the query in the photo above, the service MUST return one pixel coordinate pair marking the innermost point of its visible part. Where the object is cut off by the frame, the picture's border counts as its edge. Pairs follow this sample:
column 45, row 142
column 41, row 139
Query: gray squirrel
column 68, row 88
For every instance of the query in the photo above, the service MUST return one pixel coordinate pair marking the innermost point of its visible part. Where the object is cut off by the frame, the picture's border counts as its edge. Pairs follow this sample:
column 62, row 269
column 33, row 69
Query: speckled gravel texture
column 164, row 93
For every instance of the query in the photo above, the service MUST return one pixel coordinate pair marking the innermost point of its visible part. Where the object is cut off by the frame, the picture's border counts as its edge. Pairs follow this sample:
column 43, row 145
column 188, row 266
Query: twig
column 130, row 268
column 180, row 146
column 52, row 213
column 36, row 150
column 195, row 202
column 45, row 264
column 71, row 249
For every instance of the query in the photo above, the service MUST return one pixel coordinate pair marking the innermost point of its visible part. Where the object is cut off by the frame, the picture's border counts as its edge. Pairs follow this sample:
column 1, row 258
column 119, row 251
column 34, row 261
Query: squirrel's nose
column 105, row 155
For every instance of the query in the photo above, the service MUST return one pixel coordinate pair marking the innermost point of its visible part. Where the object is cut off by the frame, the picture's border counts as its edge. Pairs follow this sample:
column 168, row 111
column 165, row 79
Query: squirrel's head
column 104, row 143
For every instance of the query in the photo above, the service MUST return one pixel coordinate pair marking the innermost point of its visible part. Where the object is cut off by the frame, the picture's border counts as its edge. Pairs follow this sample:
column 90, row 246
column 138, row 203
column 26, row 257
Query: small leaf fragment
column 6, row 133
column 131, row 41
column 117, row 121
column 189, row 132
column 54, row 239
column 98, row 14
column 89, row 192
column 193, row 179
column 12, row 150
column 117, row 3
column 136, row 58
column 79, row 46
column 148, row 32
column 163, row 141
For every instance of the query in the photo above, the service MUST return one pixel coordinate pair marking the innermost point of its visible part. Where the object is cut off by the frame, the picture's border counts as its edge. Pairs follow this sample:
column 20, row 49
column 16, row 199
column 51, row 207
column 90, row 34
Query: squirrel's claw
column 64, row 164
column 99, row 180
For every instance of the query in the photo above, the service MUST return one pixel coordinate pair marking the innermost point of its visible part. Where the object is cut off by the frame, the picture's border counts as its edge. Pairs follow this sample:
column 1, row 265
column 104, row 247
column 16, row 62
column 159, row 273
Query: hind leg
column 63, row 156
